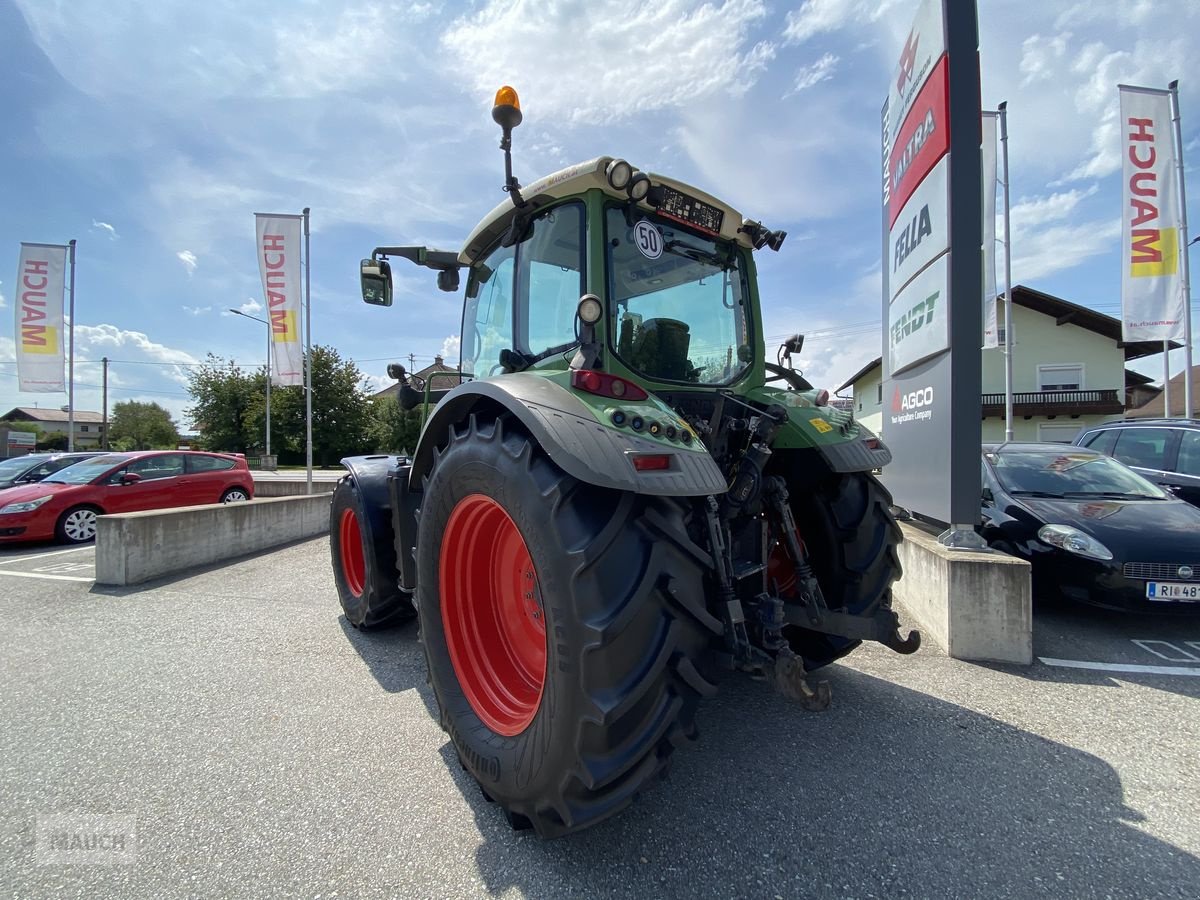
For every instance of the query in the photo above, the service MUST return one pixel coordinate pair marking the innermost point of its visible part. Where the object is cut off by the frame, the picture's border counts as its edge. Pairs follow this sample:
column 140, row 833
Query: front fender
column 845, row 444
column 576, row 435
column 369, row 475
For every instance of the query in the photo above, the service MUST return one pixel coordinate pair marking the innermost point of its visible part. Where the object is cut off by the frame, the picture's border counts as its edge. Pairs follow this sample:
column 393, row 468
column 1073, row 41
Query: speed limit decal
column 649, row 239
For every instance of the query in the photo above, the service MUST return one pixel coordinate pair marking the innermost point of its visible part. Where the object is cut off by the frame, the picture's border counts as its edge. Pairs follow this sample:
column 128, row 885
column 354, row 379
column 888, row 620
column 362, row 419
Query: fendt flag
column 39, row 328
column 987, row 149
column 1151, row 289
column 279, row 265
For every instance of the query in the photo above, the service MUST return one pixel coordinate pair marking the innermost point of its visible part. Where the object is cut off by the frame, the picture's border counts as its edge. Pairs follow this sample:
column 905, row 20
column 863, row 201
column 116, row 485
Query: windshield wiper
column 1112, row 495
column 1048, row 495
column 679, row 248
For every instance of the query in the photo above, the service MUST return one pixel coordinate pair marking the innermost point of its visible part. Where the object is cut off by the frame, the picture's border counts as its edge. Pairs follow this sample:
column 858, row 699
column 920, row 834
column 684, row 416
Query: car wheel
column 77, row 526
column 234, row 495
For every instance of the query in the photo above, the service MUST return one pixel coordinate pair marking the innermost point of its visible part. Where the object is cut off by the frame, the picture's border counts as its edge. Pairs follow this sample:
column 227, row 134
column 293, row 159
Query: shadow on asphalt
column 891, row 791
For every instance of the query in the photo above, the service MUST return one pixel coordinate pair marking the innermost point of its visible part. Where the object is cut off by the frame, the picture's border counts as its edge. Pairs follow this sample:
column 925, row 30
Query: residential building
column 441, row 377
column 1068, row 371
column 1153, row 408
column 89, row 426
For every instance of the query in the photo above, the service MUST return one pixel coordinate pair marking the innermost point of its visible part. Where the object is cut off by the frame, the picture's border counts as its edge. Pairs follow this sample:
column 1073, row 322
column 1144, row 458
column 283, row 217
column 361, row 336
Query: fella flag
column 279, row 265
column 1151, row 288
column 39, row 318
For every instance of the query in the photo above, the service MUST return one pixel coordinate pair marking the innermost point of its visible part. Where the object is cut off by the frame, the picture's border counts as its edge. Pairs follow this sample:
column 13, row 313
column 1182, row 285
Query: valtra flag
column 1152, row 306
column 991, row 325
column 922, row 139
column 39, row 318
column 279, row 264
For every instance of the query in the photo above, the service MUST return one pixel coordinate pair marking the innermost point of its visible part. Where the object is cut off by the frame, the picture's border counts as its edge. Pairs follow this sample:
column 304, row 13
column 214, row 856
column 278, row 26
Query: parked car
column 1094, row 530
column 35, row 466
column 65, row 504
column 1166, row 451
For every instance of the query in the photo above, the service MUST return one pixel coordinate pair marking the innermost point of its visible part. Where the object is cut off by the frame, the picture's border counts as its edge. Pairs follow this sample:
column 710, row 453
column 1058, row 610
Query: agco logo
column 918, row 399
column 908, row 60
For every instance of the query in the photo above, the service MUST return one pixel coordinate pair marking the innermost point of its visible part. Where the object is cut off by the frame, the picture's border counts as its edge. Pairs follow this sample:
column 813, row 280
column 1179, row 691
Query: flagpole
column 71, row 358
column 1185, row 269
column 1008, row 297
column 1166, row 379
column 308, row 356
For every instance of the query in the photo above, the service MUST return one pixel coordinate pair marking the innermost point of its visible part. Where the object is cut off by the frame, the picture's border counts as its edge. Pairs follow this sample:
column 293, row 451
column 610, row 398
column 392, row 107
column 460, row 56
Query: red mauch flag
column 279, row 264
column 1152, row 307
column 39, row 318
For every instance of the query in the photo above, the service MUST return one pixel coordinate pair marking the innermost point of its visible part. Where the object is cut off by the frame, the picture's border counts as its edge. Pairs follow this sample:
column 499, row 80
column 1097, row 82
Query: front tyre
column 77, row 526
column 364, row 570
column 563, row 626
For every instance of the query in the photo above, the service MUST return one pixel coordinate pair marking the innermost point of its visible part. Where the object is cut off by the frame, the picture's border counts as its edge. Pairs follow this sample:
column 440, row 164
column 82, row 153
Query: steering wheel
column 794, row 379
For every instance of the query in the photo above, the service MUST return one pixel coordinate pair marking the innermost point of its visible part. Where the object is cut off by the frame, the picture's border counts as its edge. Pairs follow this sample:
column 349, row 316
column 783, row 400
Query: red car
column 65, row 504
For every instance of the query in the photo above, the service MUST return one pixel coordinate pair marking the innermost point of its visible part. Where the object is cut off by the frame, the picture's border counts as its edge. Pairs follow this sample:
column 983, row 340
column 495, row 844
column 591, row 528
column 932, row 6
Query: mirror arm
column 421, row 256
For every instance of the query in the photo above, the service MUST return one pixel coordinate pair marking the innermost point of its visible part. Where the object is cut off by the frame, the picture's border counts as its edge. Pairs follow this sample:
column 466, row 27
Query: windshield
column 677, row 301
column 11, row 468
column 1069, row 474
column 88, row 470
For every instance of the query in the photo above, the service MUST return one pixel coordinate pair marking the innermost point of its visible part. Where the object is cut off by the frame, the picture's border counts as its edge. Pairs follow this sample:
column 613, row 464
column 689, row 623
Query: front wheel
column 564, row 628
column 77, row 526
column 364, row 569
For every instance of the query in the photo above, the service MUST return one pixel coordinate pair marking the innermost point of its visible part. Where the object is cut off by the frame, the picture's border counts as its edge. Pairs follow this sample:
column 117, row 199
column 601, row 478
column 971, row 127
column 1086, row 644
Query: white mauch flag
column 279, row 264
column 1151, row 288
column 39, row 328
column 991, row 326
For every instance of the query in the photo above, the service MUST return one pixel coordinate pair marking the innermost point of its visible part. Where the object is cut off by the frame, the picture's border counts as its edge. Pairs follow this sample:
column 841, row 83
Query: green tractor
column 618, row 499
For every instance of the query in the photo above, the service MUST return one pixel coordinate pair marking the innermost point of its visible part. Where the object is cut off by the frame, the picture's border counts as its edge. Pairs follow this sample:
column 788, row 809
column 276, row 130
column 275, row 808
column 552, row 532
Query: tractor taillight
column 604, row 385
column 652, row 462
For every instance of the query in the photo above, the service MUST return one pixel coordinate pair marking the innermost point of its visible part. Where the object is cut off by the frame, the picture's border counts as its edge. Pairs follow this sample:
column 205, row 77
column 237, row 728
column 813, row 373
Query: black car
column 1094, row 530
column 35, row 466
column 1166, row 451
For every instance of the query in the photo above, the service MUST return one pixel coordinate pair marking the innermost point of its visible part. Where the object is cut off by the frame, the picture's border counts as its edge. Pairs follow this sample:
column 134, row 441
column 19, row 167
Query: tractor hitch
column 883, row 626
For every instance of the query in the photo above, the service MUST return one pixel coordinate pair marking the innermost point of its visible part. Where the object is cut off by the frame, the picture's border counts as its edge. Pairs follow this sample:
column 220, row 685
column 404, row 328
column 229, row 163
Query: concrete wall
column 974, row 605
column 136, row 547
column 276, row 487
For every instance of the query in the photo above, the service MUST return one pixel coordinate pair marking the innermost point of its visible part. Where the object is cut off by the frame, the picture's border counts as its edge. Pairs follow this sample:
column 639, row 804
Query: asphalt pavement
column 233, row 737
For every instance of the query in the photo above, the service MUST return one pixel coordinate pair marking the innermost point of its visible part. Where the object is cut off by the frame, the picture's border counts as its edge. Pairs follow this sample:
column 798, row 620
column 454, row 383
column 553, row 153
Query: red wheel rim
column 354, row 565
column 492, row 615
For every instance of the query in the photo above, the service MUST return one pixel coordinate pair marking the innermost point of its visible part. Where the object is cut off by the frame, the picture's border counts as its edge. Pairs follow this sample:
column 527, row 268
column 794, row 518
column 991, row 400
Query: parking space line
column 1128, row 668
column 6, row 562
column 47, row 577
column 1181, row 655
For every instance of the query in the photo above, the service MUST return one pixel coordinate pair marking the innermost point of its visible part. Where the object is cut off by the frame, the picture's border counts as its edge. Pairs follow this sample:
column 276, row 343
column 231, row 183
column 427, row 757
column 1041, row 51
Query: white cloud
column 251, row 308
column 1031, row 212
column 188, row 258
column 640, row 57
column 450, row 348
column 3, row 303
column 811, row 76
column 106, row 229
column 824, row 16
column 197, row 310
column 1061, row 247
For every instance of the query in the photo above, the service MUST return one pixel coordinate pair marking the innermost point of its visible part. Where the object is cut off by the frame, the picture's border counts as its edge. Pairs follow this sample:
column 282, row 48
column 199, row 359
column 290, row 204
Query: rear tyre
column 234, row 495
column 77, row 526
column 364, row 570
column 564, row 629
column 851, row 537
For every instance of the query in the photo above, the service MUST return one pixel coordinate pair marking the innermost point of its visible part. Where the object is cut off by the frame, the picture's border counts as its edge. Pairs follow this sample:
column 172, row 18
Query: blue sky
column 151, row 133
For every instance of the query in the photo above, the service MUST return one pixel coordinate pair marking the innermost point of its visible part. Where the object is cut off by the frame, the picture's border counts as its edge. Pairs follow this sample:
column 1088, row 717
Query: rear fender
column 571, row 433
column 845, row 444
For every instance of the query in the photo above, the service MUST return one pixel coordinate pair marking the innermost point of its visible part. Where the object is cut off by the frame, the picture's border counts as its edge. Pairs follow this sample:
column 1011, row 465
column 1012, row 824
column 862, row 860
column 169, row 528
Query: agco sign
column 912, row 406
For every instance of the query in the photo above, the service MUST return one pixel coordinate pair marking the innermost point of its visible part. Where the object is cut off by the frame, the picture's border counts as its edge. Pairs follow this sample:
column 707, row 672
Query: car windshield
column 677, row 301
column 11, row 468
column 87, row 470
column 1069, row 473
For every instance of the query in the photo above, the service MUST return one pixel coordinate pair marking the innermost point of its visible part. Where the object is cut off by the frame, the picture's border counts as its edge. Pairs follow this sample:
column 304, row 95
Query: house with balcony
column 1069, row 371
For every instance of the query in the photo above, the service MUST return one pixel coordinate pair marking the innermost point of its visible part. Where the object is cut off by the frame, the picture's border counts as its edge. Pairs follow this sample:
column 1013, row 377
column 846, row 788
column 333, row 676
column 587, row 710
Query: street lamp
column 238, row 312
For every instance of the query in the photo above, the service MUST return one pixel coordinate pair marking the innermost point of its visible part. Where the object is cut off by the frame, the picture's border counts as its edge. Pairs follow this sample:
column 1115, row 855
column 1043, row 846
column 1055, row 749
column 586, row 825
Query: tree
column 391, row 429
column 224, row 402
column 142, row 426
column 340, row 410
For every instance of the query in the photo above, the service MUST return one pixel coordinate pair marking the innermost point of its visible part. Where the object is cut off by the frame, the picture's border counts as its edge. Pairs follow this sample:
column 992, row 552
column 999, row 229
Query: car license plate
column 1159, row 590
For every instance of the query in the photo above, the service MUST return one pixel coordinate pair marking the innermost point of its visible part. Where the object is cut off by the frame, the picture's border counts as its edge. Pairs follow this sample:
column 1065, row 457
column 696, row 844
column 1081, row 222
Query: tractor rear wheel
column 851, row 538
column 563, row 625
column 364, row 569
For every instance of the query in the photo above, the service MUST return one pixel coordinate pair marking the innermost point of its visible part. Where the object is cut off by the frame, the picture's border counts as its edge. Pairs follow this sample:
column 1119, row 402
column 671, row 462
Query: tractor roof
column 575, row 180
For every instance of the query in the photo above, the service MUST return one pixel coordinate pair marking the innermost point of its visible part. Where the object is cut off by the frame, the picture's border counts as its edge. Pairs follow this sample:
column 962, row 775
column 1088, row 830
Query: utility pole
column 71, row 360
column 104, row 427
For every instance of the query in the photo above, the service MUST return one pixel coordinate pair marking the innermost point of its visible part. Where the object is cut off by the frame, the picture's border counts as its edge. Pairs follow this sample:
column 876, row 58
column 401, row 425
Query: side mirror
column 794, row 343
column 376, row 278
column 130, row 478
column 447, row 280
column 988, row 497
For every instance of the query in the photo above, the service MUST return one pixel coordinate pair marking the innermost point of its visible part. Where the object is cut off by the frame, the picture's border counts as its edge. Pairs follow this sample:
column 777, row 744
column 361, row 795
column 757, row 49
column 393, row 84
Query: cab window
column 1143, row 447
column 208, row 463
column 169, row 465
